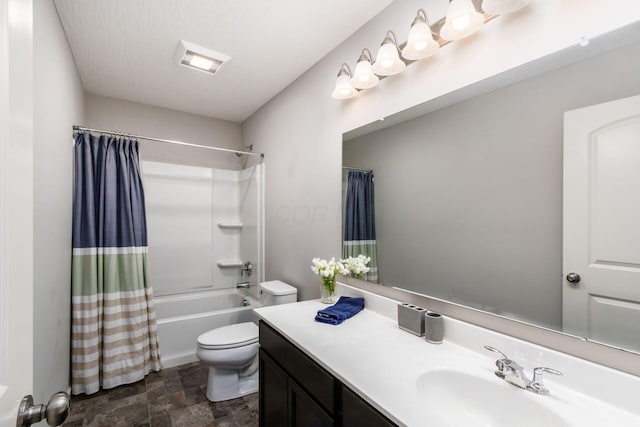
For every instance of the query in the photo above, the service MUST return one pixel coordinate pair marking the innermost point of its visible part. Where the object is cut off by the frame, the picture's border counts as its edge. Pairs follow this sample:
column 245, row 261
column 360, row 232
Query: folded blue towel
column 345, row 308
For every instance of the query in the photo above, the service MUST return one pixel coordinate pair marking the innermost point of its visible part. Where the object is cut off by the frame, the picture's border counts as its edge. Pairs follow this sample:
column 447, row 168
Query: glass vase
column 328, row 290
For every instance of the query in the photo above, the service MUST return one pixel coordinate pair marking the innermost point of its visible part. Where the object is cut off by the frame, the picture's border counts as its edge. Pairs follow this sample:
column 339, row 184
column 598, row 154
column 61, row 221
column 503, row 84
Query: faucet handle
column 537, row 373
column 502, row 364
column 537, row 385
column 495, row 350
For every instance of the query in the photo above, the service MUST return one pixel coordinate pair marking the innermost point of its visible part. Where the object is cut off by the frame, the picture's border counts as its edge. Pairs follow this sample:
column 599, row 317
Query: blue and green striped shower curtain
column 113, row 326
column 360, row 221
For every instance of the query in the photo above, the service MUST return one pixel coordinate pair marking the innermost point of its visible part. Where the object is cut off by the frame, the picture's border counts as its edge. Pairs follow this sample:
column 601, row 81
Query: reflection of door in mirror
column 359, row 234
column 602, row 222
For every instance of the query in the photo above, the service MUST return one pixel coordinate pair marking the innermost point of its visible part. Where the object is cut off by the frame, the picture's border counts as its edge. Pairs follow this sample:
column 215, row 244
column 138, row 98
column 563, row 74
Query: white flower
column 357, row 266
column 329, row 269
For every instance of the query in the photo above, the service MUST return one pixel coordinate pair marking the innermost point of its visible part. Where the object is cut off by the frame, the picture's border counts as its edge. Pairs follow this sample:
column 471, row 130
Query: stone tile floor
column 173, row 397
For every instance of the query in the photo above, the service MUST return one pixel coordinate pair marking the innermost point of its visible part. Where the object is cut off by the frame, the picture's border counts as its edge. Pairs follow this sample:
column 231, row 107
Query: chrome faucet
column 513, row 373
column 246, row 268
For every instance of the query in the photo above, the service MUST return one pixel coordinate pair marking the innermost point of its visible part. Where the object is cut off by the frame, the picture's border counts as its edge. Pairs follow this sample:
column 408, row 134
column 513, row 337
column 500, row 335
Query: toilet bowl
column 231, row 352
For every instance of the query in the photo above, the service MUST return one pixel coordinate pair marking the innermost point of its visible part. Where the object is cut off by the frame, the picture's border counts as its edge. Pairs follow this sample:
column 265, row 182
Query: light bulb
column 387, row 55
column 421, row 45
column 200, row 62
column 419, row 36
column 420, row 42
column 363, row 77
column 343, row 89
column 387, row 63
column 461, row 22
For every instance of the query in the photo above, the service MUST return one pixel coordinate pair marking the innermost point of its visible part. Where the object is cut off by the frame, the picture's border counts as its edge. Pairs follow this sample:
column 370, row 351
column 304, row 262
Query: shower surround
column 204, row 224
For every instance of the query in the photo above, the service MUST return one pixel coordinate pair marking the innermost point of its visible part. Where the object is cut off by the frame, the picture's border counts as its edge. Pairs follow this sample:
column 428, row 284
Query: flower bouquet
column 327, row 270
column 357, row 266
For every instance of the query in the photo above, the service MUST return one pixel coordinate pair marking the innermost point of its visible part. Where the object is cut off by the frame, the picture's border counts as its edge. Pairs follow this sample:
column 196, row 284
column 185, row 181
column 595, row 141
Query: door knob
column 55, row 411
column 573, row 278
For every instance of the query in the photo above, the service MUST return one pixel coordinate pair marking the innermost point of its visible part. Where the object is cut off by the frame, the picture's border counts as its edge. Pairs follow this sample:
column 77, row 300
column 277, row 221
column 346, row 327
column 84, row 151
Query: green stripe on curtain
column 353, row 248
column 108, row 273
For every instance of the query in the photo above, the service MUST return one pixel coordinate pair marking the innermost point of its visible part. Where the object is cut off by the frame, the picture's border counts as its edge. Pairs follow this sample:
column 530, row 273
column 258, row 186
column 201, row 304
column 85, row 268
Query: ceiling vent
column 200, row 58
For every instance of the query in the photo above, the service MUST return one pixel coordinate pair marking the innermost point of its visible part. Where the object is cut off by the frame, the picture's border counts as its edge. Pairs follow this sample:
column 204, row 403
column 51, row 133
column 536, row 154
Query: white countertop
column 372, row 356
column 368, row 353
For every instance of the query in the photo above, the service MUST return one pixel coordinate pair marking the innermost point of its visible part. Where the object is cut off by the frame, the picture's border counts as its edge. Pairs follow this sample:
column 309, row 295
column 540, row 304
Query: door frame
column 16, row 205
column 4, row 136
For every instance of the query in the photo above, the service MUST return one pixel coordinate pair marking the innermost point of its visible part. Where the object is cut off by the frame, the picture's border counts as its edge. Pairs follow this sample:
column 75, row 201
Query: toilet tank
column 277, row 292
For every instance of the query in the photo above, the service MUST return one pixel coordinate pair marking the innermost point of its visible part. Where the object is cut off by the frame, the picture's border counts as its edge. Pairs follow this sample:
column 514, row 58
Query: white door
column 602, row 223
column 16, row 207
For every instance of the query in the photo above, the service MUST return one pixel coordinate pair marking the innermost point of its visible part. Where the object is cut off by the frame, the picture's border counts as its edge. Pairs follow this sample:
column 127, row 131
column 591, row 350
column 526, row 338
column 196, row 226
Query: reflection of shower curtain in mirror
column 359, row 221
column 113, row 336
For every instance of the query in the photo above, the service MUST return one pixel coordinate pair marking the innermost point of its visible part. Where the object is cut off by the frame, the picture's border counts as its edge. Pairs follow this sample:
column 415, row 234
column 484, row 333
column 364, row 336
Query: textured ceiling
column 125, row 48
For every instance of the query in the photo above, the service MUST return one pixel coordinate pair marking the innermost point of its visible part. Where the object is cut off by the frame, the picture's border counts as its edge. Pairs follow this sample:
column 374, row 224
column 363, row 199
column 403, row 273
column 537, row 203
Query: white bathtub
column 182, row 318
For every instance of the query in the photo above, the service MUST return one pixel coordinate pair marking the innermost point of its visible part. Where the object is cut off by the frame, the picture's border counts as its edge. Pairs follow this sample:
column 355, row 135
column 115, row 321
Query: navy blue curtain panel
column 109, row 208
column 360, row 220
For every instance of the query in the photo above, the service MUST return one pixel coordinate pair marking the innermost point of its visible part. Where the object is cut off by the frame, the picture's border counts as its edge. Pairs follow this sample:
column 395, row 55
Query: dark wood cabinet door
column 356, row 412
column 273, row 393
column 316, row 381
column 304, row 411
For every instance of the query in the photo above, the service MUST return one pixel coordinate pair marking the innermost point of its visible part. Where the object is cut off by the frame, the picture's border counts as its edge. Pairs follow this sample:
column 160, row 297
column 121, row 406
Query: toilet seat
column 231, row 336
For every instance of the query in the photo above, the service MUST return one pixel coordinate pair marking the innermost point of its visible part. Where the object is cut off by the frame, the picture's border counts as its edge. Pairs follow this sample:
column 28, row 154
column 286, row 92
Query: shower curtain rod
column 166, row 141
column 357, row 169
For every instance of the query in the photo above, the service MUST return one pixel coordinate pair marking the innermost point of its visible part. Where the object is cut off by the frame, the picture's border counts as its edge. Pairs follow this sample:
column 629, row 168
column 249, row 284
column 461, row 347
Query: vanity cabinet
column 357, row 412
column 297, row 392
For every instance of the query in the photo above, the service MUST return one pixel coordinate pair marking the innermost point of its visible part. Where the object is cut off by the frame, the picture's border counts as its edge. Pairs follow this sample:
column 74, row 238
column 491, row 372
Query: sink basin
column 464, row 399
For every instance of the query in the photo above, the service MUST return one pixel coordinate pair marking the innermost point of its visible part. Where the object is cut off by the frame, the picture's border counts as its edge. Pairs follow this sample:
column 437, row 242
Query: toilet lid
column 229, row 336
column 278, row 288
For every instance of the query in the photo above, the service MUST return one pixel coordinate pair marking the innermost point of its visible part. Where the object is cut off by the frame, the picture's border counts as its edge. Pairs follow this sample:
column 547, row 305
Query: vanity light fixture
column 200, row 58
column 420, row 43
column 462, row 20
column 388, row 61
column 343, row 89
column 502, row 7
column 363, row 77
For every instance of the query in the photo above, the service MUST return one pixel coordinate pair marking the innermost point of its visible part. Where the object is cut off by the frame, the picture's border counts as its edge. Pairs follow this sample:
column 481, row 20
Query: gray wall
column 469, row 198
column 125, row 116
column 58, row 104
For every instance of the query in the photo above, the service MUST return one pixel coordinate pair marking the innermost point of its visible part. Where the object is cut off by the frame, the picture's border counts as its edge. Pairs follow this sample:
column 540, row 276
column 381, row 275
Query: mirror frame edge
column 602, row 354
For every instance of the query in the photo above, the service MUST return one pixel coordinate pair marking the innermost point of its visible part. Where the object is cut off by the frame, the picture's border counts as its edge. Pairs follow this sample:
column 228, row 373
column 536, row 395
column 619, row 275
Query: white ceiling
column 125, row 48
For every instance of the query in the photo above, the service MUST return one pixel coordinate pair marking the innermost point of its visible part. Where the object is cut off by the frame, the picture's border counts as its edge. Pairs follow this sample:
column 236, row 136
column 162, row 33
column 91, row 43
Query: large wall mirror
column 469, row 195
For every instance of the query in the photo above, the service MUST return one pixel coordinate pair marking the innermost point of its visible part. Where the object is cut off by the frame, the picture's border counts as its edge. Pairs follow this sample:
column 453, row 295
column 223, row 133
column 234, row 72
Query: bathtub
column 182, row 318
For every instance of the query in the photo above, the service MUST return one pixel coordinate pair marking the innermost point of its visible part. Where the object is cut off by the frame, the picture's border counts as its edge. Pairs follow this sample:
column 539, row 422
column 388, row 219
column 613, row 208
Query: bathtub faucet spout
column 243, row 285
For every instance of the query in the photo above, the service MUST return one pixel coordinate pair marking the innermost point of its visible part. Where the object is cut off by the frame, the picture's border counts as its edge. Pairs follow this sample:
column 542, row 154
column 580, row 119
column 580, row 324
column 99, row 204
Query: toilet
column 231, row 352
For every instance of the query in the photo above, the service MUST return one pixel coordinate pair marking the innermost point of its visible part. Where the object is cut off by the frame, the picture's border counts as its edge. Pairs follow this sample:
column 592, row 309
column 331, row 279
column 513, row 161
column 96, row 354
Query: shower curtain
column 359, row 221
column 113, row 326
